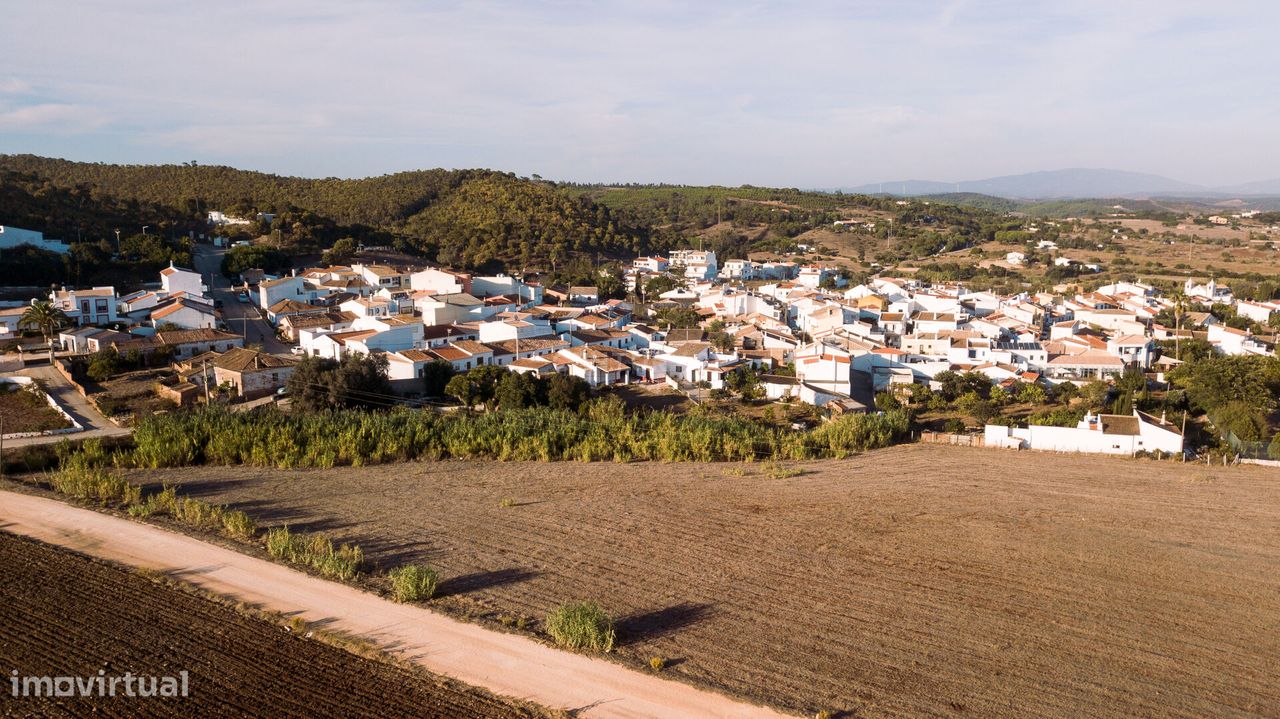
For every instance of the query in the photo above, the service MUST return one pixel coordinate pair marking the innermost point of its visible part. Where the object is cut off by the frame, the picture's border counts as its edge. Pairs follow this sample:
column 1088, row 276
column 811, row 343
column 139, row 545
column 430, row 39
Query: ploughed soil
column 921, row 580
column 63, row 614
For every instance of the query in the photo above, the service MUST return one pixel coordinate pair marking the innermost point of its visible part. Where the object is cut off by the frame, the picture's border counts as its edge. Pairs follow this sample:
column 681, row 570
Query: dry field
column 64, row 614
column 915, row 581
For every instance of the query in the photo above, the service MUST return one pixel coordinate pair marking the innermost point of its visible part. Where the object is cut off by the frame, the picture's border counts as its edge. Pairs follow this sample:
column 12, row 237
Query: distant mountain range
column 1071, row 183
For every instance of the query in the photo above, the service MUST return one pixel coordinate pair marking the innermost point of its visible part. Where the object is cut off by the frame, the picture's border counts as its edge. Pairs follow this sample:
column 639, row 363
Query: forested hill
column 466, row 218
column 474, row 219
column 76, row 211
column 375, row 201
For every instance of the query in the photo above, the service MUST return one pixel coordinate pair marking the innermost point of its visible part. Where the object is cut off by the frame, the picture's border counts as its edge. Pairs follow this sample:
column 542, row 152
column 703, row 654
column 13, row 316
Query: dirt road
column 503, row 663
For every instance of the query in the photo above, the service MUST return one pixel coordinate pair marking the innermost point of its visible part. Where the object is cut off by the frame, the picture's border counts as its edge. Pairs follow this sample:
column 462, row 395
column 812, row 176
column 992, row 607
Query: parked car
column 297, row 350
column 243, row 297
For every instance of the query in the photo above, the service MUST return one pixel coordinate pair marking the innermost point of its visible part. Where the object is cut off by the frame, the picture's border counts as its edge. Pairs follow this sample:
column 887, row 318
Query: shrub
column 94, row 483
column 657, row 663
column 239, row 525
column 197, row 514
column 581, row 625
column 413, row 583
column 316, row 551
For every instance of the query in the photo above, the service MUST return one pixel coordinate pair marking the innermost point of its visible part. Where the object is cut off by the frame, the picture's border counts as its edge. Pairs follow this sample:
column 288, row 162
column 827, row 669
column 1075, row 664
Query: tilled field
column 915, row 581
column 62, row 614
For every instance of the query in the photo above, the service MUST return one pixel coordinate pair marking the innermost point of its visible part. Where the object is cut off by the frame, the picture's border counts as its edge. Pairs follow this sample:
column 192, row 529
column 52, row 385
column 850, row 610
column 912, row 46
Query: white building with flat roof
column 11, row 237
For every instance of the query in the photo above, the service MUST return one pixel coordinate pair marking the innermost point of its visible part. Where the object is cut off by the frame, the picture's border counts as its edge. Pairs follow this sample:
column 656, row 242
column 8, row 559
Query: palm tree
column 44, row 315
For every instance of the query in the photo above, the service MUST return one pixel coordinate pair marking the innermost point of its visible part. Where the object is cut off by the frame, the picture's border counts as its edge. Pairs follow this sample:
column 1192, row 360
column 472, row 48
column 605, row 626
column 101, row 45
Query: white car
column 297, row 350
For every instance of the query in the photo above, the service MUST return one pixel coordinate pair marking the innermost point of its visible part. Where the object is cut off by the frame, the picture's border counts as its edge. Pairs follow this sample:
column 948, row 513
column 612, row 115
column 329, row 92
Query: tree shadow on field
column 389, row 554
column 660, row 622
column 196, row 488
column 270, row 514
column 477, row 581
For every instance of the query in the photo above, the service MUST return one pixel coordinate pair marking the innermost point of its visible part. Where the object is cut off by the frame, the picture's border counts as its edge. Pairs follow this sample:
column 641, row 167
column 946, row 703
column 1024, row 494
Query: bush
column 316, row 551
column 94, row 483
column 197, row 514
column 581, row 625
column 413, row 583
column 239, row 525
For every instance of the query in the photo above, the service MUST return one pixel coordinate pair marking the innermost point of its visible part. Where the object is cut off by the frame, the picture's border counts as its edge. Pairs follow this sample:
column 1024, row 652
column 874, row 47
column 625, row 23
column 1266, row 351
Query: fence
column 958, row 440
column 1245, row 449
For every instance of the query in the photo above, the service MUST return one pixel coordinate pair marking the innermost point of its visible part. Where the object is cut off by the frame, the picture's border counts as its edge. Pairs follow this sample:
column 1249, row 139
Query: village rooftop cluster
column 811, row 338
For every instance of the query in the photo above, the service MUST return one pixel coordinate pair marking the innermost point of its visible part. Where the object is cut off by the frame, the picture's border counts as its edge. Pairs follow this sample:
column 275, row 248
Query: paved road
column 75, row 404
column 243, row 318
column 506, row 664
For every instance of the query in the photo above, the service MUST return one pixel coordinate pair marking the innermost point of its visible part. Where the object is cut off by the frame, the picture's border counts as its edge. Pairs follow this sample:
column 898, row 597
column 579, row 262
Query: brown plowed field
column 62, row 614
column 915, row 581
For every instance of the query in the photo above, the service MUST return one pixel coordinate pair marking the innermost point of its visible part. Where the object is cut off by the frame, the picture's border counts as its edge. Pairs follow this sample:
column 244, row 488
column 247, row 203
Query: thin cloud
column 52, row 117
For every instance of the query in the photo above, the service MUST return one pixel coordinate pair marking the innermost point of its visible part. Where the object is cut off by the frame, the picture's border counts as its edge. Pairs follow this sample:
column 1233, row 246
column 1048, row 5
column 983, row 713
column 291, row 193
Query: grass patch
column 413, row 583
column 581, row 625
column 94, row 484
column 316, row 551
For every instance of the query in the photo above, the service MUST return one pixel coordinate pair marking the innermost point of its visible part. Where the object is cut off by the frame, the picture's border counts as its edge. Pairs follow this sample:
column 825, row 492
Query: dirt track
column 64, row 614
column 916, row 581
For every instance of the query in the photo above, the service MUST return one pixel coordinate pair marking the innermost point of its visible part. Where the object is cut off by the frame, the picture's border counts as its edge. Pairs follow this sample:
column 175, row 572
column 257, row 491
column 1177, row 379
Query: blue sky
column 811, row 94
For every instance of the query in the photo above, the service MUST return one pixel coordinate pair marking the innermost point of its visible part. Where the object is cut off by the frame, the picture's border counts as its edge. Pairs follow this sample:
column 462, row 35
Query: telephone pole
column 206, row 382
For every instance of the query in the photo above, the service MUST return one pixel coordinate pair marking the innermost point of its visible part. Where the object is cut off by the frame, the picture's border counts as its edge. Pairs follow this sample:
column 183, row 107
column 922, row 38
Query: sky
column 804, row 94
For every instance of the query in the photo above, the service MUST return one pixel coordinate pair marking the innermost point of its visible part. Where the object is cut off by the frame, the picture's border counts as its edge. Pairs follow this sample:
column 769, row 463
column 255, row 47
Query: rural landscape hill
column 462, row 218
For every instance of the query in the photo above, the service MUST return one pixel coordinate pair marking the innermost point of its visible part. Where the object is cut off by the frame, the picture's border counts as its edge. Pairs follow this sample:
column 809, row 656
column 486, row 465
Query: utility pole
column 206, row 381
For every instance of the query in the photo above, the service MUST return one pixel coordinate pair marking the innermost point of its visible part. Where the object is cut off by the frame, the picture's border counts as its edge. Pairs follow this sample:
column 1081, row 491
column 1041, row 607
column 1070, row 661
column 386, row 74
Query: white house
column 740, row 270
column 96, row 306
column 186, row 313
column 11, row 237
column 651, row 264
column 698, row 264
column 440, row 281
column 1096, row 434
column 284, row 288
column 177, row 279
column 1259, row 312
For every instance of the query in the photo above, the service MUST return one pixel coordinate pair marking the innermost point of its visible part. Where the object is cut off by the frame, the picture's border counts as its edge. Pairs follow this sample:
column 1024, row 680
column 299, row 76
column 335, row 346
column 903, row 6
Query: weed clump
column 581, row 625
column 413, row 583
column 316, row 551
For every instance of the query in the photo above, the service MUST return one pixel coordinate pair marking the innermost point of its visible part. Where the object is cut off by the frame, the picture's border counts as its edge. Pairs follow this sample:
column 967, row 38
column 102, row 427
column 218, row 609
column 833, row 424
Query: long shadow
column 268, row 513
column 660, row 622
column 389, row 554
column 477, row 581
column 198, row 488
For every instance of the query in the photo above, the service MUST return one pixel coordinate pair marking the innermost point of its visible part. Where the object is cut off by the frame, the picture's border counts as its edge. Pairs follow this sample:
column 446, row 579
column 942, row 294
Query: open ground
column 915, row 581
column 68, row 615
